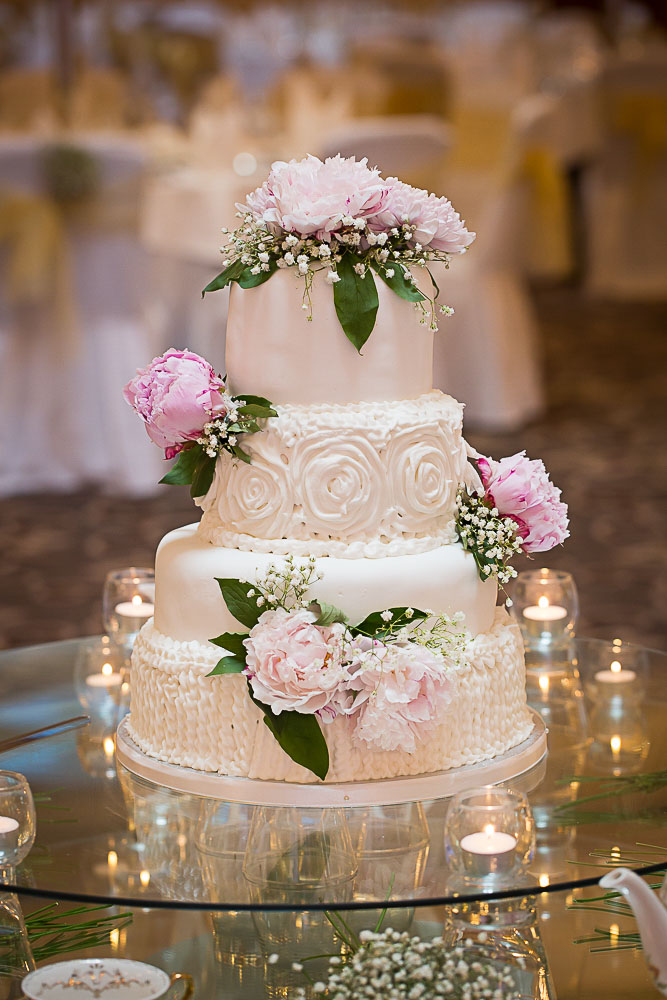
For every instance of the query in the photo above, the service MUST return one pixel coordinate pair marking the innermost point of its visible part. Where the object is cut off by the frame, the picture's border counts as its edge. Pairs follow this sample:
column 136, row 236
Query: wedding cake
column 333, row 616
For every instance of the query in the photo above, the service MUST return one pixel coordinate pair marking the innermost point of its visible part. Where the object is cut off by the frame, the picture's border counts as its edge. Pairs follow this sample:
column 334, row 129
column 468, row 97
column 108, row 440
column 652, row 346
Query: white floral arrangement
column 342, row 218
column 306, row 664
column 395, row 966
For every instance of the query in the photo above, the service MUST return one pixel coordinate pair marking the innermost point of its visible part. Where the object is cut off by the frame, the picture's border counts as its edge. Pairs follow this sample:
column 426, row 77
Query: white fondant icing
column 189, row 605
column 273, row 350
column 182, row 716
column 366, row 475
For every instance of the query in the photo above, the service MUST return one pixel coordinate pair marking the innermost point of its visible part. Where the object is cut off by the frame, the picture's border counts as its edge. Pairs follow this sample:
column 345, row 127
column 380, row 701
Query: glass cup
column 128, row 602
column 101, row 680
column 545, row 605
column 489, row 836
column 17, row 821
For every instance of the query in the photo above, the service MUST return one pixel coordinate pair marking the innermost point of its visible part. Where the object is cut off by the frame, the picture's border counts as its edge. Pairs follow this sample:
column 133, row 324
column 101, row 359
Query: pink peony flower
column 439, row 227
column 401, row 693
column 311, row 197
column 175, row 396
column 294, row 665
column 521, row 489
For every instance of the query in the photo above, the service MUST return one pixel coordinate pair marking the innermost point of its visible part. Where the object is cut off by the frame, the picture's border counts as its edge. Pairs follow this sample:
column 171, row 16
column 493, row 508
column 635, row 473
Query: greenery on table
column 52, row 931
column 614, row 787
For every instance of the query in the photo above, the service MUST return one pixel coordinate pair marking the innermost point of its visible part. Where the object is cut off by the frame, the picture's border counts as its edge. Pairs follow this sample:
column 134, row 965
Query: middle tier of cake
column 189, row 605
column 359, row 480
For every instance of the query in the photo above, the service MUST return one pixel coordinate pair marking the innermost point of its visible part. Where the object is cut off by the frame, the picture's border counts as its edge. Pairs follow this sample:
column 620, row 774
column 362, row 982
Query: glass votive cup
column 128, row 602
column 613, row 671
column 101, row 679
column 489, row 835
column 545, row 605
column 299, row 849
column 17, row 820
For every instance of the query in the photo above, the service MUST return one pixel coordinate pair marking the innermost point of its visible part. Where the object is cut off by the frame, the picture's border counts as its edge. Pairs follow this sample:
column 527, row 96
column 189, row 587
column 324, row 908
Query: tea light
column 9, row 834
column 106, row 679
column 615, row 674
column 490, row 850
column 136, row 608
column 543, row 611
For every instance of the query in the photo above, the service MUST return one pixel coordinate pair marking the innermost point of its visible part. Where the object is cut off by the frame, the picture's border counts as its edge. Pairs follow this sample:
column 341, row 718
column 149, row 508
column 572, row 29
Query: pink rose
column 295, row 665
column 439, row 227
column 521, row 489
column 402, row 692
column 310, row 197
column 175, row 396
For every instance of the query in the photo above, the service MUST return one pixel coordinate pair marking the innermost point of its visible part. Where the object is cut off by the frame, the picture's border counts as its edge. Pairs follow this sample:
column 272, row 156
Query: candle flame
column 136, row 600
column 543, row 601
column 615, row 744
column 544, row 880
column 107, row 669
column 108, row 745
column 112, row 859
column 614, row 931
column 544, row 683
column 144, row 877
column 615, row 667
column 489, row 829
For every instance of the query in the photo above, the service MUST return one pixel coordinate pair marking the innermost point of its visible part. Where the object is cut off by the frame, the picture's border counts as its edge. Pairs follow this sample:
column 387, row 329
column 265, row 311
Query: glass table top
column 105, row 835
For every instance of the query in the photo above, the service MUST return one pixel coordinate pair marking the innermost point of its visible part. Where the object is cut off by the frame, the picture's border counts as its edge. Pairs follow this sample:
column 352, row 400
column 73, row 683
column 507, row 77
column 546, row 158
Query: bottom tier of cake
column 182, row 716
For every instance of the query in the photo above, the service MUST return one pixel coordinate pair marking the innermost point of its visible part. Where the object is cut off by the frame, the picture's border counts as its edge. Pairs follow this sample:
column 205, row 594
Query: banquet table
column 175, row 859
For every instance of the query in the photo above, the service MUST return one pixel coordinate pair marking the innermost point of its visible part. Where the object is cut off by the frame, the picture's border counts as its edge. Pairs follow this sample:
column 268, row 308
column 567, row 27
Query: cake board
column 384, row 791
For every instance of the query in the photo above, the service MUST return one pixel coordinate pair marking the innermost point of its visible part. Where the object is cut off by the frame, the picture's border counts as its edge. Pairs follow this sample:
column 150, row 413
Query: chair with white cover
column 625, row 190
column 411, row 147
column 487, row 354
column 71, row 330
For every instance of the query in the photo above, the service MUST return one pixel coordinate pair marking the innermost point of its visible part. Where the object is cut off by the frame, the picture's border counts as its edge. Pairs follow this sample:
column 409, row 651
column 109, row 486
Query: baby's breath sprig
column 492, row 539
column 241, row 416
column 285, row 586
column 394, row 966
column 252, row 253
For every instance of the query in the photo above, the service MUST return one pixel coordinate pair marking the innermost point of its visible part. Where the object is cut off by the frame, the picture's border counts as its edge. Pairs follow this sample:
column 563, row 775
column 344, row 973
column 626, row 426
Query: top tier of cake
column 273, row 350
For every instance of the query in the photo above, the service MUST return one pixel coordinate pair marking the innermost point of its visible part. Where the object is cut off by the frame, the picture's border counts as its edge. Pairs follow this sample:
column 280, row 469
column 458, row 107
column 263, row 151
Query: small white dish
column 93, row 978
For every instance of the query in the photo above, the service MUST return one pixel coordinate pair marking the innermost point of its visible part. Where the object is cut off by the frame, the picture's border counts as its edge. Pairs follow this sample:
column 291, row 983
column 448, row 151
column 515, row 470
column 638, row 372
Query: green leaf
column 399, row 283
column 203, row 476
column 328, row 614
column 375, row 624
column 232, row 642
column 242, row 607
column 183, row 469
column 257, row 410
column 228, row 665
column 249, row 280
column 240, row 453
column 300, row 737
column 231, row 273
column 259, row 400
column 356, row 300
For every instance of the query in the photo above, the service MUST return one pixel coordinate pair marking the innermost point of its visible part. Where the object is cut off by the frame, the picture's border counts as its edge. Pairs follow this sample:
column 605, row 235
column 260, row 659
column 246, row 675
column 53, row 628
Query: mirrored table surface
column 105, row 835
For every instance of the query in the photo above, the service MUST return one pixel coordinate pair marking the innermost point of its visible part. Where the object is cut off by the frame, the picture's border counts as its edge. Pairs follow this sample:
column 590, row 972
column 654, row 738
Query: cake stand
column 520, row 760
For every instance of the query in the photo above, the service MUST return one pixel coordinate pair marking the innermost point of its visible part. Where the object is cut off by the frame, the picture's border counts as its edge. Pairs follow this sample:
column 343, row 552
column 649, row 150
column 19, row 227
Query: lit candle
column 615, row 674
column 9, row 835
column 106, row 679
column 488, row 851
column 544, row 612
column 136, row 608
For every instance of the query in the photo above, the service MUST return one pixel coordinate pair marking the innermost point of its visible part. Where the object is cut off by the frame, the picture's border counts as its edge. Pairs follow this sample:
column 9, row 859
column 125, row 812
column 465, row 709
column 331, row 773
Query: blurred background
column 128, row 130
